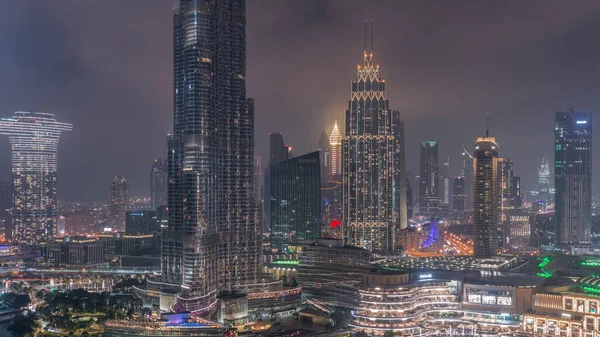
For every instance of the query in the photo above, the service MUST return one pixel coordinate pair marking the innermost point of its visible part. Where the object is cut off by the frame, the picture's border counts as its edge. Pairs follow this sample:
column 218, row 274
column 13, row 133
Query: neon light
column 581, row 122
column 335, row 223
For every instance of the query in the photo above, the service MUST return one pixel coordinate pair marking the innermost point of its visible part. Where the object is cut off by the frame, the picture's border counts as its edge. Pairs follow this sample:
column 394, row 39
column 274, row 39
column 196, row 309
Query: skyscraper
column 158, row 183
column 278, row 152
column 429, row 183
column 118, row 201
column 487, row 194
column 544, row 180
column 335, row 145
column 370, row 162
column 445, row 182
column 467, row 171
column 325, row 156
column 295, row 202
column 459, row 196
column 34, row 141
column 573, row 176
column 5, row 205
column 212, row 242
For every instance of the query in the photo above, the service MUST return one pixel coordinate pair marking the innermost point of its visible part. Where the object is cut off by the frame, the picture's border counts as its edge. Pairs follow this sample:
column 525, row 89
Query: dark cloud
column 106, row 67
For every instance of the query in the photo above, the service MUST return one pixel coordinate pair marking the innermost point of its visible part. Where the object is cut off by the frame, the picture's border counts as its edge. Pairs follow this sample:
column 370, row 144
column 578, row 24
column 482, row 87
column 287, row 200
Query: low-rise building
column 74, row 251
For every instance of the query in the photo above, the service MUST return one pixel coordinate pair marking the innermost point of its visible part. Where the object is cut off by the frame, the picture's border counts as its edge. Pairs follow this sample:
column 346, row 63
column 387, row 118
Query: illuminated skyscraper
column 467, row 171
column 544, row 180
column 429, row 191
column 34, row 141
column 487, row 195
column 324, row 156
column 118, row 201
column 445, row 182
column 573, row 176
column 335, row 144
column 371, row 159
column 158, row 183
column 212, row 242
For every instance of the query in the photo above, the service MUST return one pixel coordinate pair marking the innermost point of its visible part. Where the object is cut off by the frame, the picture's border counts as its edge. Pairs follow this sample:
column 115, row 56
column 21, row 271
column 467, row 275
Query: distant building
column 544, row 180
column 121, row 244
column 445, row 183
column 278, row 152
column 74, row 251
column 573, row 176
column 34, row 141
column 409, row 200
column 467, row 171
column 141, row 222
column 487, row 203
column 335, row 144
column 325, row 156
column 518, row 229
column 295, row 202
column 158, row 183
column 459, row 196
column 5, row 206
column 429, row 192
column 118, row 202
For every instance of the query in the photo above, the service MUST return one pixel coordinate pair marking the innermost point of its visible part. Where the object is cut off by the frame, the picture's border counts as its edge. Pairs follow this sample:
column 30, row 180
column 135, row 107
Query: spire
column 335, row 138
column 487, row 125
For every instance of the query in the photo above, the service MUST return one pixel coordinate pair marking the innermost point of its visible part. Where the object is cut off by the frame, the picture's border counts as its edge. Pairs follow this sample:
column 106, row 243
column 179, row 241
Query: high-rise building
column 278, row 152
column 325, row 156
column 445, row 182
column 335, row 144
column 429, row 192
column 409, row 200
column 34, row 141
column 459, row 196
column 370, row 160
column 295, row 202
column 487, row 195
column 467, row 171
column 573, row 176
column 212, row 242
column 5, row 205
column 518, row 230
column 118, row 201
column 158, row 184
column 544, row 181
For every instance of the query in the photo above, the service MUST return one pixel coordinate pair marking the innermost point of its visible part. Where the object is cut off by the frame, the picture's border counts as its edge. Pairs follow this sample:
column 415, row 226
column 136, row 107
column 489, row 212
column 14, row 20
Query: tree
column 388, row 333
column 23, row 324
column 361, row 333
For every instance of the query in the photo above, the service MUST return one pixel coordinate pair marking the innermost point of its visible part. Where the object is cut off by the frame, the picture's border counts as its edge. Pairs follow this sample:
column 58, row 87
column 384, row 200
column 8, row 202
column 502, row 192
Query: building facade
column 371, row 164
column 158, row 184
column 118, row 194
column 487, row 197
column 573, row 176
column 212, row 242
column 459, row 195
column 34, row 141
column 544, row 181
column 295, row 202
column 429, row 192
column 141, row 222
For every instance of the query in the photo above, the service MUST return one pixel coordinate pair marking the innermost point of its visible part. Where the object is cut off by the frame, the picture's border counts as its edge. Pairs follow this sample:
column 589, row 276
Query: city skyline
column 489, row 80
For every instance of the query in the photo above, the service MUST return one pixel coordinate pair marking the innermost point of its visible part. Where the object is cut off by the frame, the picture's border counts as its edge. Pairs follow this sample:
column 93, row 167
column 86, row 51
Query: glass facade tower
column 573, row 176
column 34, row 141
column 429, row 190
column 374, row 194
column 118, row 194
column 487, row 197
column 212, row 242
column 158, row 183
column 295, row 202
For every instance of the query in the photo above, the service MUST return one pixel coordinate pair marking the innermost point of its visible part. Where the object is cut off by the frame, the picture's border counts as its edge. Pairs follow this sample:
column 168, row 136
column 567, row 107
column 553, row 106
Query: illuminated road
column 461, row 245
column 130, row 271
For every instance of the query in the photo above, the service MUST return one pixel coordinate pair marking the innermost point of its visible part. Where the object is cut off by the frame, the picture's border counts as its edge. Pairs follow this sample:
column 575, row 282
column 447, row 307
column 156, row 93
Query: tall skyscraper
column 445, row 182
column 5, row 205
column 487, row 194
column 573, row 176
column 467, row 171
column 544, row 180
column 295, row 202
column 212, row 242
column 325, row 156
column 34, row 141
column 158, row 184
column 118, row 201
column 370, row 161
column 429, row 192
column 335, row 145
column 459, row 196
column 278, row 153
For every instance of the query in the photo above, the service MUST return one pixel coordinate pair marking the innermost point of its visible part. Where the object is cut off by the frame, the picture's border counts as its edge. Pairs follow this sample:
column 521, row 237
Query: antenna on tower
column 365, row 36
column 371, row 36
column 487, row 124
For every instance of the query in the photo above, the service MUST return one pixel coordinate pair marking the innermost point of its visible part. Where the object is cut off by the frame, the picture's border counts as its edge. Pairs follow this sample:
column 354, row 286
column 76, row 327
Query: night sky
column 106, row 67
